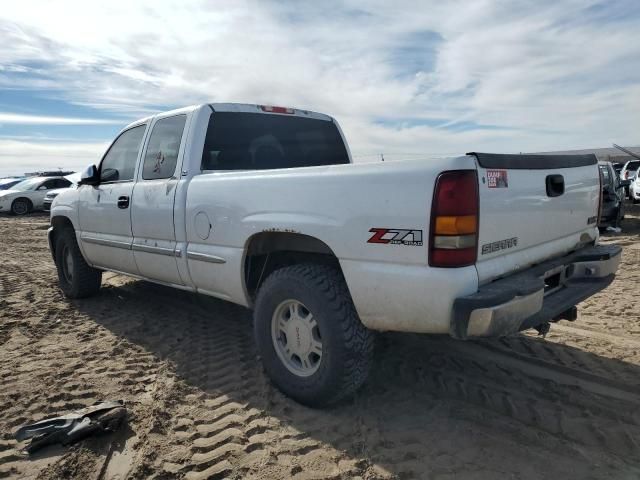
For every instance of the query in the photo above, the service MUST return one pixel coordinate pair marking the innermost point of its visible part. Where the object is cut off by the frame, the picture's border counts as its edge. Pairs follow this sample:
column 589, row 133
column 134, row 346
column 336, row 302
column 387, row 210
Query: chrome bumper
column 539, row 294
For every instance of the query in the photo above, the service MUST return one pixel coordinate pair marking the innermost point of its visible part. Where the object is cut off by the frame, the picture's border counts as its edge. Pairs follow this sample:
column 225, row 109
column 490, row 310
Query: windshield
column 7, row 184
column 29, row 184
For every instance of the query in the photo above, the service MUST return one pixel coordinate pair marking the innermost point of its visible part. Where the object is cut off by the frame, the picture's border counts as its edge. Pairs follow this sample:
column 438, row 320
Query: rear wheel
column 312, row 343
column 77, row 279
column 21, row 206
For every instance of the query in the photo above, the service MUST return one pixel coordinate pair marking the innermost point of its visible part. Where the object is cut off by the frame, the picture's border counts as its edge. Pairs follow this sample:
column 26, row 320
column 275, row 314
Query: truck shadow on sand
column 432, row 406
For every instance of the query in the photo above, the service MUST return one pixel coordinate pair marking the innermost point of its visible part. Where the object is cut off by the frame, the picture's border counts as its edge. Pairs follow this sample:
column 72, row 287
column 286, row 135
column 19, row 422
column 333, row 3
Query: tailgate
column 532, row 208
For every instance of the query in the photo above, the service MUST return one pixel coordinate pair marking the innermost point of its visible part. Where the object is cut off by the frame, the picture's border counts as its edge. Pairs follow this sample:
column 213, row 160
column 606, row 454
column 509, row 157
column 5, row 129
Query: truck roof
column 240, row 108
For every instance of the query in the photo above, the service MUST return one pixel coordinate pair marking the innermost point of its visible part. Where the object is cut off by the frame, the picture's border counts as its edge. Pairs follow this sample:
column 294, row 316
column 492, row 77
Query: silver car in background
column 74, row 178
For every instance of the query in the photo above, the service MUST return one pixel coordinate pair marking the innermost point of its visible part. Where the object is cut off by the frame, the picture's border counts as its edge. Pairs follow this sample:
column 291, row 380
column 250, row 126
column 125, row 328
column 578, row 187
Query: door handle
column 555, row 185
column 123, row 202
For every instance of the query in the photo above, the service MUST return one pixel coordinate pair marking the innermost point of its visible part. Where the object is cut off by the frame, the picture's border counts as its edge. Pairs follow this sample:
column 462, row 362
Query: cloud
column 403, row 78
column 20, row 156
column 21, row 119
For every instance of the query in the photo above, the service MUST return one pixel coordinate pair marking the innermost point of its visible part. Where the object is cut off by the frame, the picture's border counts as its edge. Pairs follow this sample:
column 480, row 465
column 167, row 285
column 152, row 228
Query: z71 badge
column 396, row 236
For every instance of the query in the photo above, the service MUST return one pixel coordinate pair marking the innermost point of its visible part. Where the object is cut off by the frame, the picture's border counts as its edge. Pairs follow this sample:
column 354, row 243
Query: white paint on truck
column 544, row 226
column 263, row 207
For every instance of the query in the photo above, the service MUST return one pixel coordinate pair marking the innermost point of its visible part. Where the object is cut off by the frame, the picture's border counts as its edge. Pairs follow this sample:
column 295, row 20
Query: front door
column 154, row 236
column 105, row 213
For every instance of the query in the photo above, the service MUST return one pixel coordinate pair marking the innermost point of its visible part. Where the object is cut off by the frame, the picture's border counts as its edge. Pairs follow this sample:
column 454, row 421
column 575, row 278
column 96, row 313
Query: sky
column 410, row 80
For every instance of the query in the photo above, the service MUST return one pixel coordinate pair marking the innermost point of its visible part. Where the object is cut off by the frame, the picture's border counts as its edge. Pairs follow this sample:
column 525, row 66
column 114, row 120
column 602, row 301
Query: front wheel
column 76, row 278
column 312, row 343
column 20, row 206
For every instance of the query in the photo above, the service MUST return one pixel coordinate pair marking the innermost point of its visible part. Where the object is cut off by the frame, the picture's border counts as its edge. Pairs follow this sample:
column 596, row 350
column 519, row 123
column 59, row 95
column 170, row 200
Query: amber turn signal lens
column 458, row 225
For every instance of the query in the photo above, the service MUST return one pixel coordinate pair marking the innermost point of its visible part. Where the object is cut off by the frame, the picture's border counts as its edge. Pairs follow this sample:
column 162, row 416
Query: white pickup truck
column 263, row 207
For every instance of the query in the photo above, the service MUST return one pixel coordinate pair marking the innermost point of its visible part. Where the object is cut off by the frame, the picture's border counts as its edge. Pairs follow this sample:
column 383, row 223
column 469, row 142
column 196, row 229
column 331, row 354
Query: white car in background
column 628, row 172
column 74, row 178
column 28, row 195
column 634, row 187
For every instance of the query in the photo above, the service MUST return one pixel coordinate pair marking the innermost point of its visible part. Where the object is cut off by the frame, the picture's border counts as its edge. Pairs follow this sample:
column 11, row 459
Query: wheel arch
column 58, row 223
column 266, row 252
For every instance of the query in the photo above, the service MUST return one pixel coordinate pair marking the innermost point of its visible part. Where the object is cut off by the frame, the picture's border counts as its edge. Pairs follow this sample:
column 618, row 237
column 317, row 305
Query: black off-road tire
column 346, row 343
column 85, row 280
column 21, row 206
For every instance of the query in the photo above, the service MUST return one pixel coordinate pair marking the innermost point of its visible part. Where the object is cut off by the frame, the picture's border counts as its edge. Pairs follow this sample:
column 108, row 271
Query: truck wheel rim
column 296, row 338
column 20, row 208
column 67, row 264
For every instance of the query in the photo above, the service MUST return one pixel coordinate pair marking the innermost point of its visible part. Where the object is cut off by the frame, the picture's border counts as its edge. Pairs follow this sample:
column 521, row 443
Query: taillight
column 626, row 175
column 453, row 239
column 270, row 109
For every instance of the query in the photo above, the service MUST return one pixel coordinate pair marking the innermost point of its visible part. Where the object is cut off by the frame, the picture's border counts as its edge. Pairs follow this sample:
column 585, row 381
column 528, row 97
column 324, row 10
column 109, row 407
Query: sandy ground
column 200, row 406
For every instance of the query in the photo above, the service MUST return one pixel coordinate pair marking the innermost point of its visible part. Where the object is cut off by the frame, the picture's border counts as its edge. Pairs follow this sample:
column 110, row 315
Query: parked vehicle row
column 262, row 206
column 634, row 187
column 28, row 195
column 629, row 172
column 612, row 211
column 7, row 183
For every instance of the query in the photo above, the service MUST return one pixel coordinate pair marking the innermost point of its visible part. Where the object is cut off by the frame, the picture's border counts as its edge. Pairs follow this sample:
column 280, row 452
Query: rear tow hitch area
column 570, row 314
column 543, row 329
column 532, row 298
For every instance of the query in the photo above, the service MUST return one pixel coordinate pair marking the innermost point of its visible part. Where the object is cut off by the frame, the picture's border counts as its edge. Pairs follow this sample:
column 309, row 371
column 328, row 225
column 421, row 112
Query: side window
column 120, row 161
column 62, row 183
column 162, row 152
column 48, row 185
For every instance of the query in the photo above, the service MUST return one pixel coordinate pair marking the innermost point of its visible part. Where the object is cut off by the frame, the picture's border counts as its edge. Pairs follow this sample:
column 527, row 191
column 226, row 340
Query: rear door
column 104, row 210
column 534, row 207
column 154, row 242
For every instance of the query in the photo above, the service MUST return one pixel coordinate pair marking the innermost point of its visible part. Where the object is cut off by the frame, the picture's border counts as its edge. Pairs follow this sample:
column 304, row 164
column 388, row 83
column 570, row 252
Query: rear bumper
column 534, row 296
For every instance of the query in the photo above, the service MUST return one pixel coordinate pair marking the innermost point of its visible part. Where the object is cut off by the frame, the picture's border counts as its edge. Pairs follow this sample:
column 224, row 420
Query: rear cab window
column 255, row 141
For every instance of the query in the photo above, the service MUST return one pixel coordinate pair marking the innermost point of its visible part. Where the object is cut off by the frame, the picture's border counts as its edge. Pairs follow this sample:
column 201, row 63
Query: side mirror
column 624, row 183
column 42, row 187
column 89, row 176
